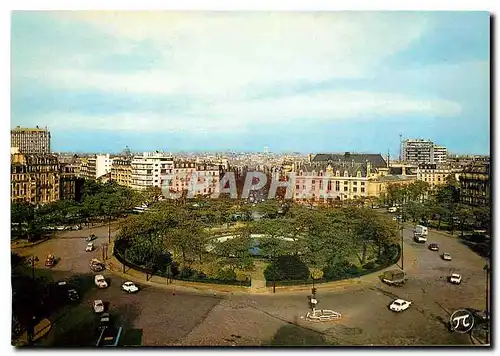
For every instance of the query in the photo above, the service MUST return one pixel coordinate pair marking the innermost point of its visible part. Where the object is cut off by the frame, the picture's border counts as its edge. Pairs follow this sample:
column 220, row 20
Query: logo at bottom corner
column 462, row 321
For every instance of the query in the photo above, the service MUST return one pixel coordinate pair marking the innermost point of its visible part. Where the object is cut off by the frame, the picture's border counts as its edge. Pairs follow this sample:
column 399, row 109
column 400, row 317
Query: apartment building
column 418, row 151
column 322, row 182
column 34, row 178
column 440, row 154
column 121, row 171
column 207, row 174
column 149, row 169
column 95, row 166
column 30, row 140
column 70, row 186
column 475, row 185
column 435, row 174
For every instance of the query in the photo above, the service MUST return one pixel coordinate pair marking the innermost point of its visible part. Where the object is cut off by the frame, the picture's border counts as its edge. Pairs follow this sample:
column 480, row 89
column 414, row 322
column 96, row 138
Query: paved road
column 188, row 319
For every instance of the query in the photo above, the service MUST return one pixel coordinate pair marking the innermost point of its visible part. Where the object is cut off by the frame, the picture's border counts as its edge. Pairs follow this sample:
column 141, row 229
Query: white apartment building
column 440, row 154
column 418, row 151
column 102, row 165
column 148, row 169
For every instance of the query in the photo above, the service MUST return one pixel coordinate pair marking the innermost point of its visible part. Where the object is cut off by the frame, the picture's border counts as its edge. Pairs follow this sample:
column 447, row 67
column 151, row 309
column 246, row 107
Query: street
column 238, row 319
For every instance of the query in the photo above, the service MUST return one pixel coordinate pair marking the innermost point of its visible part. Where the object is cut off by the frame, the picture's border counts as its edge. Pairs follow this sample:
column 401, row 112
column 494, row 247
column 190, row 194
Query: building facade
column 148, row 169
column 475, row 185
column 95, row 166
column 31, row 140
column 418, row 151
column 207, row 177
column 435, row 174
column 121, row 171
column 70, row 185
column 35, row 178
column 440, row 154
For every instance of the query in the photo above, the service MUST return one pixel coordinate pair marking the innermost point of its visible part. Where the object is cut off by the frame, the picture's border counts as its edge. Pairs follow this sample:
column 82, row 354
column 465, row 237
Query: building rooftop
column 375, row 159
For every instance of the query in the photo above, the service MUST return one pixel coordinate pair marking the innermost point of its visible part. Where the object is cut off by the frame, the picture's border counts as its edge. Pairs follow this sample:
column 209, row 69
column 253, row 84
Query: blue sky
column 306, row 82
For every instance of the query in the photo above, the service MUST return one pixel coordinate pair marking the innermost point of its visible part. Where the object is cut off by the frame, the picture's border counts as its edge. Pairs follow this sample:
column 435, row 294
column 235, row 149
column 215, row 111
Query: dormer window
column 337, row 173
column 346, row 174
column 359, row 174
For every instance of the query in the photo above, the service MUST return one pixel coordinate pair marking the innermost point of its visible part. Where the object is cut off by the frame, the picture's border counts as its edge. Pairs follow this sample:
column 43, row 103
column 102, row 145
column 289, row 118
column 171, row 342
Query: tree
column 286, row 268
column 235, row 252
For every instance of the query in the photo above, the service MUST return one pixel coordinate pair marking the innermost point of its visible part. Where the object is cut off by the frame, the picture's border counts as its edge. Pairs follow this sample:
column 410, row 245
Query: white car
column 455, row 278
column 98, row 306
column 100, row 281
column 129, row 287
column 399, row 305
column 89, row 247
column 446, row 256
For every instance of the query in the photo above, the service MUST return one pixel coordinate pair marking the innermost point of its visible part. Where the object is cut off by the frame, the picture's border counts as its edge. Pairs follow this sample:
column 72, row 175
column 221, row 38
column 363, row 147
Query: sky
column 240, row 81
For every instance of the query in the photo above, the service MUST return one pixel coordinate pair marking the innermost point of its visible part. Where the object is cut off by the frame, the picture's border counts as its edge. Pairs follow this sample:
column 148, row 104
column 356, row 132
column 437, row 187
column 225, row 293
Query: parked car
column 96, row 265
column 91, row 237
column 76, row 227
column 433, row 247
column 61, row 228
column 392, row 209
column 455, row 278
column 89, row 247
column 98, row 306
column 446, row 256
column 129, row 287
column 399, row 305
column 100, row 281
column 105, row 320
column 50, row 261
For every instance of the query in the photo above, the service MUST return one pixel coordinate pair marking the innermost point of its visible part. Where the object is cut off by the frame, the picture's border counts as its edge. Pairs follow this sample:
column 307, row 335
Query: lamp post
column 487, row 269
column 31, row 327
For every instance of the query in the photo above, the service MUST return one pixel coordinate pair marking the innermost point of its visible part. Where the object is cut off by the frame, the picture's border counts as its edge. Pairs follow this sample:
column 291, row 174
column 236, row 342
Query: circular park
column 225, row 242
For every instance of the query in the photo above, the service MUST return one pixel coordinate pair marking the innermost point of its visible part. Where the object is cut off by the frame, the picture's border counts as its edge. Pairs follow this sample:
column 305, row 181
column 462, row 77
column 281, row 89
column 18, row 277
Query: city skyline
column 303, row 82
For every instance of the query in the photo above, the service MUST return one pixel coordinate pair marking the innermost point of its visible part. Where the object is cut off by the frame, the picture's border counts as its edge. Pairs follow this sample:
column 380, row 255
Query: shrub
column 226, row 275
column 340, row 269
column 287, row 268
column 369, row 265
column 187, row 272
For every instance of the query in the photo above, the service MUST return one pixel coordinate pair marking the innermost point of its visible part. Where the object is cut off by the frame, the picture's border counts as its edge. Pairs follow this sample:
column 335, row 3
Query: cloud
column 237, row 116
column 219, row 53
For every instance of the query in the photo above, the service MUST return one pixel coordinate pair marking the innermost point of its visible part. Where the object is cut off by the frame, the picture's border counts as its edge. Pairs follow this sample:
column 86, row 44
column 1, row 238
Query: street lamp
column 487, row 269
column 31, row 328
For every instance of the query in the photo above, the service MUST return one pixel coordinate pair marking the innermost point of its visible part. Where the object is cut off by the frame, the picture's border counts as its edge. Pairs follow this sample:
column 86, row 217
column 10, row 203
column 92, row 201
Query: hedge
column 361, row 272
column 118, row 253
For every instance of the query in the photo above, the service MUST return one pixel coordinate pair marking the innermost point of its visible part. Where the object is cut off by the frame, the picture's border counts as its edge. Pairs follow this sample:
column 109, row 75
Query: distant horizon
column 295, row 82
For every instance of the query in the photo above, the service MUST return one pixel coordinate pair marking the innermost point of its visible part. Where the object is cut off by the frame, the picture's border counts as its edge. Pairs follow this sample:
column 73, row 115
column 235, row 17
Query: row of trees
column 100, row 201
column 421, row 204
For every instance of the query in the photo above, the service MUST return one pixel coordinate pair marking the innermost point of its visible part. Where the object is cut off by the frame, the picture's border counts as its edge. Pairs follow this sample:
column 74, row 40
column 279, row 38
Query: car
column 91, row 237
column 433, row 247
column 392, row 209
column 89, row 247
column 76, row 227
column 446, row 256
column 420, row 238
column 455, row 278
column 100, row 281
column 105, row 320
column 96, row 265
column 129, row 287
column 98, row 306
column 73, row 295
column 399, row 305
column 61, row 228
column 50, row 261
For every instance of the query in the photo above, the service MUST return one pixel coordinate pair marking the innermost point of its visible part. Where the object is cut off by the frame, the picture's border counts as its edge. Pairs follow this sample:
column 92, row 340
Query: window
column 354, row 183
column 346, row 174
column 346, row 182
column 354, row 189
column 358, row 174
column 337, row 173
column 362, row 183
column 362, row 189
column 345, row 189
column 297, row 186
column 337, row 186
